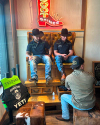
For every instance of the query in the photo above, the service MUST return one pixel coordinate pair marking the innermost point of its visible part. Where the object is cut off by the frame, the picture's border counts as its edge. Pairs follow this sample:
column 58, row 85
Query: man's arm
column 28, row 54
column 56, row 53
column 50, row 51
column 66, row 84
column 70, row 54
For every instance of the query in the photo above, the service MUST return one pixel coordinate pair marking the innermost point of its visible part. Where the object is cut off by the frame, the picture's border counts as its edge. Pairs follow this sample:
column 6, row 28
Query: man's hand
column 30, row 58
column 65, row 56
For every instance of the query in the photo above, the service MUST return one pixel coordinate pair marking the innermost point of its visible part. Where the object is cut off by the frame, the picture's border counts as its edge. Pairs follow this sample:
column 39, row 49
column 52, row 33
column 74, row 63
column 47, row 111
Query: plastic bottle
column 53, row 95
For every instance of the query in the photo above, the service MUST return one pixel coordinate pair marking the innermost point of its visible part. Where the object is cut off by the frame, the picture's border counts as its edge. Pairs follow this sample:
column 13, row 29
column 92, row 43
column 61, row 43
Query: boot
column 48, row 80
column 63, row 79
column 33, row 80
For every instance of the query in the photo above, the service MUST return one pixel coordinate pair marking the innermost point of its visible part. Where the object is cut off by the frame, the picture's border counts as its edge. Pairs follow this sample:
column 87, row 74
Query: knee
column 75, row 56
column 48, row 60
column 63, row 96
column 58, row 58
column 31, row 62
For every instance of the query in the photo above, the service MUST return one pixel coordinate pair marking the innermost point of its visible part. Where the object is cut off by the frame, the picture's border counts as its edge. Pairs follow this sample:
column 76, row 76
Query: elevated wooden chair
column 40, row 87
column 41, row 66
column 54, row 37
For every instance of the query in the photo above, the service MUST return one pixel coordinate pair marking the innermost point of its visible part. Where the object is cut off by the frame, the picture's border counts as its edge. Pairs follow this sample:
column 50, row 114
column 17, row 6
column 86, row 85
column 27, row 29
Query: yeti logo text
column 19, row 104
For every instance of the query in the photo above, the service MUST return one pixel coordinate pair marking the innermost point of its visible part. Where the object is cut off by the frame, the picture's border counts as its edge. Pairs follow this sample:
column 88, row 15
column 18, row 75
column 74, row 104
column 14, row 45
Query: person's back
column 81, row 84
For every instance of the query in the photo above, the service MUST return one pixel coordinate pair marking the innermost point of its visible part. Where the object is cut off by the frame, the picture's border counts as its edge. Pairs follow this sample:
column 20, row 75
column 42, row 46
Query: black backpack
column 15, row 94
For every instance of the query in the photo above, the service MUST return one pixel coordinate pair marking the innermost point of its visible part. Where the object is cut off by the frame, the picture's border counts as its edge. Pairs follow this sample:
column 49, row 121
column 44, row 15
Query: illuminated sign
column 43, row 14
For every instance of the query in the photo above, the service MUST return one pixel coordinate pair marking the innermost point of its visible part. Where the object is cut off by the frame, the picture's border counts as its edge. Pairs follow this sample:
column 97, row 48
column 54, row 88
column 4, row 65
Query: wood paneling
column 84, row 10
column 69, row 10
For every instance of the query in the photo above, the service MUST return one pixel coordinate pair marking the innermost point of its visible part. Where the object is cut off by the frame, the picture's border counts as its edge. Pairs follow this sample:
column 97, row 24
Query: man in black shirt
column 63, row 52
column 38, row 47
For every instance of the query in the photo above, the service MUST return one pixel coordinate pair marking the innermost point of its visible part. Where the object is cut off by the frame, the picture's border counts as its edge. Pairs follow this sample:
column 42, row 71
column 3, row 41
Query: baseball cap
column 77, row 61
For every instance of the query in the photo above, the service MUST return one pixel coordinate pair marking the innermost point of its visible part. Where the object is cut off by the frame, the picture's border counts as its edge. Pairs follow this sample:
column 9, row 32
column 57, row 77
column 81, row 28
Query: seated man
column 81, row 85
column 38, row 47
column 63, row 52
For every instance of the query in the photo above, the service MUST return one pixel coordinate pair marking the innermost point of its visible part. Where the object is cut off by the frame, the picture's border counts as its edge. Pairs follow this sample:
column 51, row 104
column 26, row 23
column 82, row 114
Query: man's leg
column 47, row 61
column 33, row 67
column 66, row 99
column 59, row 63
column 70, row 59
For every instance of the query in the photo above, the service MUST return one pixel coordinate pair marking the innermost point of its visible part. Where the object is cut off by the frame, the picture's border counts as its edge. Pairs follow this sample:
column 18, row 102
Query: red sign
column 43, row 14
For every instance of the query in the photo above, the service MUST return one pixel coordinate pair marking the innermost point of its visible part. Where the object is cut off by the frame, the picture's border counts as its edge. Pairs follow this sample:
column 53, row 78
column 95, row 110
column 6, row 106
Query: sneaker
column 59, row 117
column 48, row 80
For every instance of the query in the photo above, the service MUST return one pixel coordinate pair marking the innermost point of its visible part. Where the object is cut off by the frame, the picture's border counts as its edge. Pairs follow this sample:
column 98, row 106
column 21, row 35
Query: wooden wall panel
column 84, row 11
column 23, row 14
column 69, row 10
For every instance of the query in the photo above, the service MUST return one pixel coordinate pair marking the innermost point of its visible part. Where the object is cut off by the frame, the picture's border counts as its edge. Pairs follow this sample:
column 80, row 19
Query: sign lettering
column 44, row 16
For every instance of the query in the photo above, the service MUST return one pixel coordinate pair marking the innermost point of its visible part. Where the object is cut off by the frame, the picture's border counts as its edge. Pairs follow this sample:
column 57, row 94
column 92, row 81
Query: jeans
column 60, row 61
column 65, row 101
column 40, row 59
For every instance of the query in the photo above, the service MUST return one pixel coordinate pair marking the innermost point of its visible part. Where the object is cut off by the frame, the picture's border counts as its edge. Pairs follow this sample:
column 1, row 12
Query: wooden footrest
column 54, row 82
column 91, row 117
column 32, row 113
column 42, row 88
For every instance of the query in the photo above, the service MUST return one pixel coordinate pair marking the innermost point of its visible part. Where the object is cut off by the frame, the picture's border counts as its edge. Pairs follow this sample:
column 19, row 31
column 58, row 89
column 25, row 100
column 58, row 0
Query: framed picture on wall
column 96, row 71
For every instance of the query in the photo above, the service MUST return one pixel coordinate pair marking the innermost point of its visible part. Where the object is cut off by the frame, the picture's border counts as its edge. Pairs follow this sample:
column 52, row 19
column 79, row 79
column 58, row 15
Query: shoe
column 63, row 79
column 59, row 117
column 48, row 80
column 33, row 80
column 63, row 76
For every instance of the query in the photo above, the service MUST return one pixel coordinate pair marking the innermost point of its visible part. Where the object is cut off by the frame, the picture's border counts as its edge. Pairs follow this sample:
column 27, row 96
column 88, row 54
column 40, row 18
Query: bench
column 32, row 113
column 51, row 38
column 91, row 117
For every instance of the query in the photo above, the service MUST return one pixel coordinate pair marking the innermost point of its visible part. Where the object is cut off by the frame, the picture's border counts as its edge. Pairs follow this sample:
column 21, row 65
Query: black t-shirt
column 63, row 47
column 38, row 48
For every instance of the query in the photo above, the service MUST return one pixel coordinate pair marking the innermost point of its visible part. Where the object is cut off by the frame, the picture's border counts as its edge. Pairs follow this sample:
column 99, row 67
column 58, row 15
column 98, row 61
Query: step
column 54, row 82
